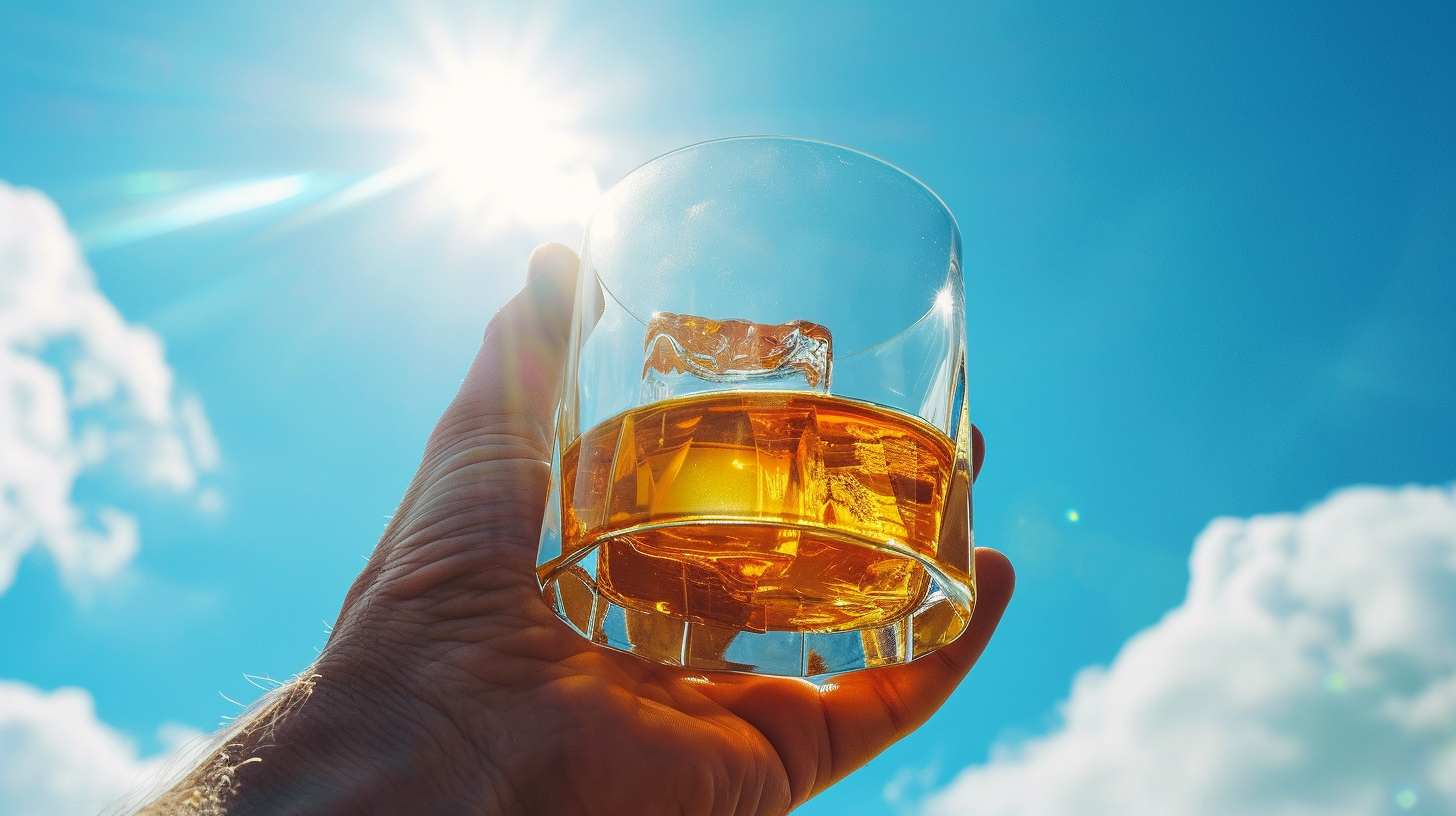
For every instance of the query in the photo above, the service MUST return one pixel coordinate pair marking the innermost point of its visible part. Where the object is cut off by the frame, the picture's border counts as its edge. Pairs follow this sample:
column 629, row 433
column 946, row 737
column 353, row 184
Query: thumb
column 511, row 390
column 487, row 455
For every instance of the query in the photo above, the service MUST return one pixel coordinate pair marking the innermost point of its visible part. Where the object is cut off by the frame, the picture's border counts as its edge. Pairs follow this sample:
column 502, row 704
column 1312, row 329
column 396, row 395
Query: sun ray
column 189, row 209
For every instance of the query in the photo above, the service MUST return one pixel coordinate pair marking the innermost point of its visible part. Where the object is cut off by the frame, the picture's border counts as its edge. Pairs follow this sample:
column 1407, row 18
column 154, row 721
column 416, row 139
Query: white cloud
column 908, row 786
column 1310, row 670
column 80, row 388
column 58, row 759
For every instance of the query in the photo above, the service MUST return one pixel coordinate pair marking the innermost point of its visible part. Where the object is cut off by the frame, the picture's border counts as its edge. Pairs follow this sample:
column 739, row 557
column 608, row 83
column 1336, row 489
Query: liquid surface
column 759, row 511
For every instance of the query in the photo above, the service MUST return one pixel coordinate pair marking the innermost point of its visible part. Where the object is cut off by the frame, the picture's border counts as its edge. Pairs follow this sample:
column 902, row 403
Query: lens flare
column 496, row 146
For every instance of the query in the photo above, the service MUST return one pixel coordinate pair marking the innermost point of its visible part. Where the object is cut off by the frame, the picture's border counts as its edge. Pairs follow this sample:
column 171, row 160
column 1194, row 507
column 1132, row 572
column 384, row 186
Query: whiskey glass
column 762, row 458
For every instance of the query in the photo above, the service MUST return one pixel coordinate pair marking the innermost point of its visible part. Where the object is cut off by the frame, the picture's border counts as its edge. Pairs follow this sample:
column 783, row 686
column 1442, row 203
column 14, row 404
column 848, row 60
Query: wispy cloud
column 1310, row 670
column 80, row 388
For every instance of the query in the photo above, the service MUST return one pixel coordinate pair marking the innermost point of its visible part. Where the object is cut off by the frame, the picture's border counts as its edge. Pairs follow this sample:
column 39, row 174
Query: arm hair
column 203, row 789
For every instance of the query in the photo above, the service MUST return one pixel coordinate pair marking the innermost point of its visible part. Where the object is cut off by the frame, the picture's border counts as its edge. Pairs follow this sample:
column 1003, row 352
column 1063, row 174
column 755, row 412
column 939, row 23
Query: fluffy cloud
column 1310, row 670
column 79, row 388
column 58, row 759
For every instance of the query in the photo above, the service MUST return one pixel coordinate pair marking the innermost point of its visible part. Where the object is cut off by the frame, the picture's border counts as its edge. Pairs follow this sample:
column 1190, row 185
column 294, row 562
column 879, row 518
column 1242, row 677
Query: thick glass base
column 574, row 592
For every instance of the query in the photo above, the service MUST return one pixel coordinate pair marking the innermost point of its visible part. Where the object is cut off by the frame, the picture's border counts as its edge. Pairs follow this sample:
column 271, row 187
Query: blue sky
column 1210, row 270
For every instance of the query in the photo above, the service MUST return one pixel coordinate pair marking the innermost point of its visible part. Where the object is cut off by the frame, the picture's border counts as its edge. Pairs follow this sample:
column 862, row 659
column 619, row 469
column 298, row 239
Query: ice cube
column 687, row 354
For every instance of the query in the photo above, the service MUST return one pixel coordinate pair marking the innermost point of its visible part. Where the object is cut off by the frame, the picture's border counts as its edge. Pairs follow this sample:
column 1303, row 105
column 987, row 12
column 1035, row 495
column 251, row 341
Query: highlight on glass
column 763, row 446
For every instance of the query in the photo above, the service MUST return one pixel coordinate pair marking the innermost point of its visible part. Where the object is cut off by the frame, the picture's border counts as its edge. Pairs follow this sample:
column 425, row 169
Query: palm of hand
column 519, row 714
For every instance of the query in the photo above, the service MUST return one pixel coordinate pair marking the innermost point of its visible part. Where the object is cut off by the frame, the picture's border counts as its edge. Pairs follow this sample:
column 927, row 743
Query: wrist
column 339, row 739
column 342, row 745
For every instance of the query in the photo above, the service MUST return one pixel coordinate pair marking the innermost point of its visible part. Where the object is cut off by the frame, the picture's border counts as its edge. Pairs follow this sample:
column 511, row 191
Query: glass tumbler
column 762, row 457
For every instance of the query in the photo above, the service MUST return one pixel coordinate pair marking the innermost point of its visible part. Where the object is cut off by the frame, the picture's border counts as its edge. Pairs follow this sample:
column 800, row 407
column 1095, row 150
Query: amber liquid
column 760, row 511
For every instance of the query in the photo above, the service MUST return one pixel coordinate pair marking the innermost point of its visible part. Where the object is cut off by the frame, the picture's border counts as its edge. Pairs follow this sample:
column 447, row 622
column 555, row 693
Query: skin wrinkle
column 330, row 745
column 857, row 743
column 425, row 690
column 478, row 408
column 520, row 482
column 475, row 418
column 484, row 487
column 536, row 435
column 431, row 536
column 508, row 507
column 460, row 478
column 894, row 704
column 358, row 600
column 687, row 697
column 655, row 710
column 715, row 789
column 440, row 615
column 519, row 626
column 495, row 444
column 728, row 796
column 421, row 570
column 957, row 667
column 796, row 797
column 783, row 766
column 444, row 634
column 460, row 473
column 499, row 558
column 441, row 537
column 824, row 769
column 529, row 628
column 434, row 621
column 423, row 687
column 770, row 731
column 521, row 450
column 486, row 738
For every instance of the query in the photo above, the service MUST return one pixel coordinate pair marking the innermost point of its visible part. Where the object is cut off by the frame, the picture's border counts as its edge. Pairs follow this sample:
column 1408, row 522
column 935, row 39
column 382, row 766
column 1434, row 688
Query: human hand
column 449, row 687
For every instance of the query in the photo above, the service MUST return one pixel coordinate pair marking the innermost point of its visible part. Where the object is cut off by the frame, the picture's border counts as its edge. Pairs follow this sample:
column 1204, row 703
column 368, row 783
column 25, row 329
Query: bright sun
column 496, row 148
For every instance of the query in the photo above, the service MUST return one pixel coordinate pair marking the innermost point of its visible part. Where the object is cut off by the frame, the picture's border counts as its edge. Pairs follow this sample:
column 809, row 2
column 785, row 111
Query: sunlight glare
column 499, row 149
column 945, row 301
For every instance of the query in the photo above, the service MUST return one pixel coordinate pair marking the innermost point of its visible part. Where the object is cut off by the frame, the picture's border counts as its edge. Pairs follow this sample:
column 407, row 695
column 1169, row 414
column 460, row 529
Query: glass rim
column 769, row 137
column 956, row 269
